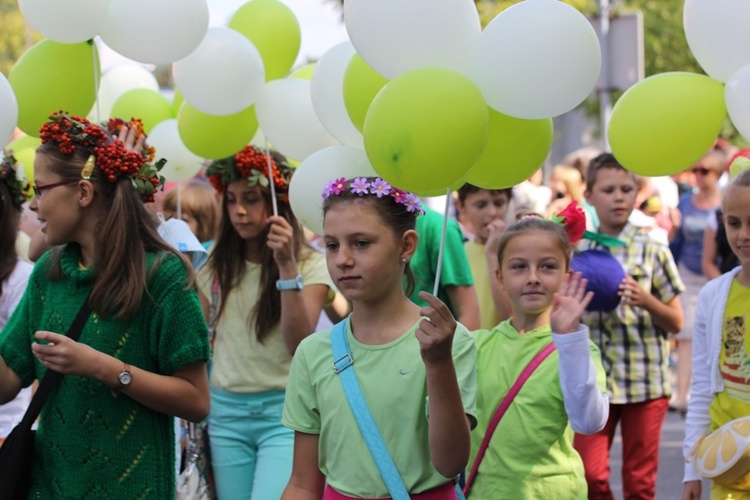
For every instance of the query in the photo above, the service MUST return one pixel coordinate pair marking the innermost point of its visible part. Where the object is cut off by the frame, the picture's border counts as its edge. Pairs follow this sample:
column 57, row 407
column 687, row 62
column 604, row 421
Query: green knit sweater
column 90, row 444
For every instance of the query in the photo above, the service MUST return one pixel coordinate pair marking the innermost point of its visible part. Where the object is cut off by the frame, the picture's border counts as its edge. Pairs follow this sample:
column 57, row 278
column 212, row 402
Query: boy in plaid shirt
column 633, row 339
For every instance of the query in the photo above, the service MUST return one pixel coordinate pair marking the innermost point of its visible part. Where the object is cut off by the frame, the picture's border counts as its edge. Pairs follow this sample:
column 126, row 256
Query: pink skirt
column 446, row 491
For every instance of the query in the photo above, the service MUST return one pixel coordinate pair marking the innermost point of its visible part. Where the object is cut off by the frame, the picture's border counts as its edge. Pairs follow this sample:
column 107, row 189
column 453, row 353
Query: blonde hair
column 741, row 180
column 573, row 180
column 528, row 222
column 198, row 202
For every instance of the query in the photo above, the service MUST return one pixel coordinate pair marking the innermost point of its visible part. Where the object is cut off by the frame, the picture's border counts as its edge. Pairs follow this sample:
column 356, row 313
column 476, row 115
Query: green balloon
column 361, row 85
column 24, row 142
column 54, row 76
column 147, row 105
column 215, row 137
column 274, row 30
column 177, row 101
column 516, row 148
column 426, row 129
column 303, row 73
column 667, row 122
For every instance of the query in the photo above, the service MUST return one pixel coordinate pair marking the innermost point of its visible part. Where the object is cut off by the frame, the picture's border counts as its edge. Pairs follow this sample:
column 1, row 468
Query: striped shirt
column 635, row 351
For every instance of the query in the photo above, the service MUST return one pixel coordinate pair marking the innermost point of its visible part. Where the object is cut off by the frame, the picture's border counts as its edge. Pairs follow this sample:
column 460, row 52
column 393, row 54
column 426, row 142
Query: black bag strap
column 50, row 377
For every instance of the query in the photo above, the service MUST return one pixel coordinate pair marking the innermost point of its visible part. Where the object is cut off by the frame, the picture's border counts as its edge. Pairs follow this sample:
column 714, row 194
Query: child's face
column 737, row 222
column 532, row 269
column 56, row 205
column 363, row 254
column 613, row 195
column 247, row 209
column 483, row 207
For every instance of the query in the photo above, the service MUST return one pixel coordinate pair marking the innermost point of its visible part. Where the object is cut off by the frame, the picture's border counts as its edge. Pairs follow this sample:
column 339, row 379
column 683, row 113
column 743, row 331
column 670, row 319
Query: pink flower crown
column 362, row 186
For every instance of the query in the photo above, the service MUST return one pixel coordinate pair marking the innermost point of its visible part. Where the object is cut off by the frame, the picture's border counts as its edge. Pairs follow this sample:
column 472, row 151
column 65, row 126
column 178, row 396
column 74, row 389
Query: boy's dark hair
column 468, row 189
column 604, row 160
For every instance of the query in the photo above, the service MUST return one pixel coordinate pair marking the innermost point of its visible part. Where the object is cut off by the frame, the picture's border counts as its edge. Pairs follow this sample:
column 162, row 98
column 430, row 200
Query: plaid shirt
column 635, row 352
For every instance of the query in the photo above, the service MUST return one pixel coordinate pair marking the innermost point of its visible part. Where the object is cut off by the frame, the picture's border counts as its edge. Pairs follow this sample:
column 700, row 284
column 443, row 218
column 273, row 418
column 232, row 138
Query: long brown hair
column 9, row 220
column 227, row 262
column 124, row 234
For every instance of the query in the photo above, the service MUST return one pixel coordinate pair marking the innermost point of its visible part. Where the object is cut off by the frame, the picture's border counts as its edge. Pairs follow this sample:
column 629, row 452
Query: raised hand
column 496, row 228
column 435, row 331
column 281, row 240
column 130, row 141
column 64, row 355
column 569, row 304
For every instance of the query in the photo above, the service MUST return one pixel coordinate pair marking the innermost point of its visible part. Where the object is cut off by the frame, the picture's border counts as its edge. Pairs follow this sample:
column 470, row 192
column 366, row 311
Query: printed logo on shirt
column 405, row 372
column 736, row 369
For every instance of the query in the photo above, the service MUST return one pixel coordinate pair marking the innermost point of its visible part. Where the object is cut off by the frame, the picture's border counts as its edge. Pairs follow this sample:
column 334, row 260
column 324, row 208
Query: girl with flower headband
column 263, row 290
column 106, row 430
column 14, row 271
column 370, row 238
column 529, row 406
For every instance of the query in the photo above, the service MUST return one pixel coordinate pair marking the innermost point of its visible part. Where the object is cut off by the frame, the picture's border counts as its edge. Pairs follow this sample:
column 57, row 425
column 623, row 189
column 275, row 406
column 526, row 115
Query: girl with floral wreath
column 266, row 287
column 106, row 430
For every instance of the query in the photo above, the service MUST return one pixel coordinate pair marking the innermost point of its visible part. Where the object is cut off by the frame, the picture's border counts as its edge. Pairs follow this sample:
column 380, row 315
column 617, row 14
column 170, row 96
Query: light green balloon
column 304, row 72
column 361, row 85
column 426, row 129
column 53, row 76
column 516, row 148
column 666, row 123
column 215, row 137
column 147, row 105
column 177, row 101
column 24, row 142
column 274, row 30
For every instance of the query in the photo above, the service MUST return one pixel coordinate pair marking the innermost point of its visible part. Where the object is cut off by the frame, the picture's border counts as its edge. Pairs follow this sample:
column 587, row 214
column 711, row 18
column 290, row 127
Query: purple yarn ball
column 604, row 274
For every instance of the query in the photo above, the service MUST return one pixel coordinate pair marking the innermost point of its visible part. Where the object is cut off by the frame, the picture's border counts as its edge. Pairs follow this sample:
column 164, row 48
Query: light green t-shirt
column 392, row 379
column 531, row 453
column 481, row 274
column 241, row 363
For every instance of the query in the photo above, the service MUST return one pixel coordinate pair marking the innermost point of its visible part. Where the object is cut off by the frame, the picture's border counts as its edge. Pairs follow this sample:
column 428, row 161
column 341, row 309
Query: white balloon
column 308, row 181
column 286, row 115
column 8, row 111
column 737, row 99
column 537, row 59
column 396, row 36
column 181, row 163
column 155, row 31
column 717, row 34
column 116, row 82
column 223, row 76
column 71, row 21
column 327, row 87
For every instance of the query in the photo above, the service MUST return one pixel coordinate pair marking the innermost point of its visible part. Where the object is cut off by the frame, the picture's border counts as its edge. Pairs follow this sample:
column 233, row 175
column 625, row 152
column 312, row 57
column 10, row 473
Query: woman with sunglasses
column 686, row 241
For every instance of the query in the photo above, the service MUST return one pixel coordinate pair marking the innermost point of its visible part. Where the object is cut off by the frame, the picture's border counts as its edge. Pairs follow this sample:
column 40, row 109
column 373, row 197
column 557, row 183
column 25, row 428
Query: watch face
column 125, row 378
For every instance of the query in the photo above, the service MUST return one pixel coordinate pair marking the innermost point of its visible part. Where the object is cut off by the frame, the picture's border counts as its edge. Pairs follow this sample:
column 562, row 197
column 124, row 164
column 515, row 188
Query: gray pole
column 605, row 102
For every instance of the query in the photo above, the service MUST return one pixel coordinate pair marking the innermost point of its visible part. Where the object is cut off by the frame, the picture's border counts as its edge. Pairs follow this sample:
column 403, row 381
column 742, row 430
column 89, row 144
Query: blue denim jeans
column 251, row 451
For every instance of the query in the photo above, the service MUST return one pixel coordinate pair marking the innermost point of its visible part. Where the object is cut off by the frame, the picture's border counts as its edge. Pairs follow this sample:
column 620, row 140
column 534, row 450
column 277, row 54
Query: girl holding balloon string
column 370, row 239
column 263, row 290
column 107, row 427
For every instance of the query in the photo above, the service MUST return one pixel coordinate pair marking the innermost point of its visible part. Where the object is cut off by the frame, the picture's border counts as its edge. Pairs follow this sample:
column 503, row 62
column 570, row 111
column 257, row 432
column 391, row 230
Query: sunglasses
column 40, row 188
column 700, row 170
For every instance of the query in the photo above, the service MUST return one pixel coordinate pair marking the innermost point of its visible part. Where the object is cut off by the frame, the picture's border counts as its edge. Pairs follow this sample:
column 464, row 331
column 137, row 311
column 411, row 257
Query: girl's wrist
column 288, row 270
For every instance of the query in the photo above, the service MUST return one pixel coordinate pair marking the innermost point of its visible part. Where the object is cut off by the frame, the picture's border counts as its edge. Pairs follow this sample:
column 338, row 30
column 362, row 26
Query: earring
column 403, row 260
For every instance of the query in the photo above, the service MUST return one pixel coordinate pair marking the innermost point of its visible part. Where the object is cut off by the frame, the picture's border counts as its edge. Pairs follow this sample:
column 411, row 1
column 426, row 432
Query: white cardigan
column 707, row 381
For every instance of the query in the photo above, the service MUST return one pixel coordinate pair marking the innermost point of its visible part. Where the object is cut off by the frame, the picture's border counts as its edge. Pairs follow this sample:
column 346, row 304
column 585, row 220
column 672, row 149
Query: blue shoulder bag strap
column 343, row 359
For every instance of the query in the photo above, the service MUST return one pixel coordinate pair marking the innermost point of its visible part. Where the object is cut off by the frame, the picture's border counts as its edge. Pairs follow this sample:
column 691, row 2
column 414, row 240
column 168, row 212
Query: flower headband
column 109, row 153
column 362, row 186
column 13, row 178
column 250, row 164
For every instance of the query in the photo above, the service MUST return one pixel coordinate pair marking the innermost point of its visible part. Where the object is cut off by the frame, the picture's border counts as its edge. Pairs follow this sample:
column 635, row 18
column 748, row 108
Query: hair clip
column 88, row 168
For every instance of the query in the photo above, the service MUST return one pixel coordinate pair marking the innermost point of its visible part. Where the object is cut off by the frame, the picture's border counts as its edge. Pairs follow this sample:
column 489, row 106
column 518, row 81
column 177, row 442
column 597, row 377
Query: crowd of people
column 506, row 383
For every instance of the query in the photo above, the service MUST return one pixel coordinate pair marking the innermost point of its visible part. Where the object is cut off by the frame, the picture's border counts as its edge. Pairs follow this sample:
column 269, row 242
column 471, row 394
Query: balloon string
column 97, row 70
column 271, row 180
column 442, row 243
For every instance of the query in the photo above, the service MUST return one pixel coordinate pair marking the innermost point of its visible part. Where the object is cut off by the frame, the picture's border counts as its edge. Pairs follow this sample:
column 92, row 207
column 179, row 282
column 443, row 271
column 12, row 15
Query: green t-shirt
column 89, row 443
column 392, row 379
column 455, row 271
column 531, row 453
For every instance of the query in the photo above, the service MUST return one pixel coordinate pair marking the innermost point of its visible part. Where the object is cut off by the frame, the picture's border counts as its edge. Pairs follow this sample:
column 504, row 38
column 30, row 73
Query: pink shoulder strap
column 504, row 405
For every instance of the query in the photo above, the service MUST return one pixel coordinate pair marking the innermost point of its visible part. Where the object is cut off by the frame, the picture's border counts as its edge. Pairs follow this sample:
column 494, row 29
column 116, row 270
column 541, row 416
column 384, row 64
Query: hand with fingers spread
column 435, row 331
column 281, row 240
column 632, row 294
column 64, row 355
column 131, row 139
column 569, row 304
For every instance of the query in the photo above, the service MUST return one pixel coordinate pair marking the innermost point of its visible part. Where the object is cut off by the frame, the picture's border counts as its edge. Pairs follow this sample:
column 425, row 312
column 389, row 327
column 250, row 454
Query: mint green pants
column 251, row 451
